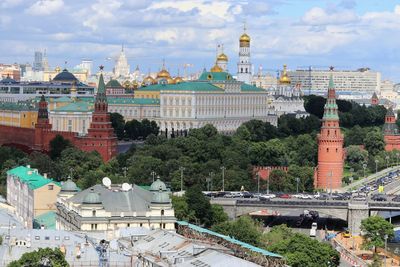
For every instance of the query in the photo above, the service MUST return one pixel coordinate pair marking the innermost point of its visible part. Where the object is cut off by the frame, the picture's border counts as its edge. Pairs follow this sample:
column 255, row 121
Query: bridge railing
column 292, row 202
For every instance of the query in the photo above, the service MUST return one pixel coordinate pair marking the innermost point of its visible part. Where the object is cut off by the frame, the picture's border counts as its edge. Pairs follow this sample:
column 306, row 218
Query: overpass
column 351, row 211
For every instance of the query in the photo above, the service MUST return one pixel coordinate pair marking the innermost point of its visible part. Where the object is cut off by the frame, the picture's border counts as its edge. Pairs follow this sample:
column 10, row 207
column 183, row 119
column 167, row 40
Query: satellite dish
column 126, row 187
column 106, row 182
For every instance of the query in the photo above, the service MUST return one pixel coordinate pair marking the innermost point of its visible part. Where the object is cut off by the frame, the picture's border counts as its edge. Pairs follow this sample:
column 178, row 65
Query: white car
column 267, row 196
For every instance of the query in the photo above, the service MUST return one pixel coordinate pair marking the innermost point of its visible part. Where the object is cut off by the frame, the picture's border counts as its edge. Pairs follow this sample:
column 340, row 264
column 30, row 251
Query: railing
column 293, row 203
column 348, row 255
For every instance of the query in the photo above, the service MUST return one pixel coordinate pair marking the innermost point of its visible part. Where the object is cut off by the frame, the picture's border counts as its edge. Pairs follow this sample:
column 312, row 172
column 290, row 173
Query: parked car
column 359, row 198
column 286, row 196
column 379, row 197
column 246, row 194
column 267, row 196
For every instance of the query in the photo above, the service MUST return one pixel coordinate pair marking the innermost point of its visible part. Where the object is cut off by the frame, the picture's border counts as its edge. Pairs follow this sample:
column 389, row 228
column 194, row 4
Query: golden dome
column 148, row 80
column 244, row 38
column 57, row 69
column 216, row 68
column 284, row 79
column 135, row 84
column 127, row 84
column 163, row 74
column 170, row 80
column 222, row 57
column 178, row 79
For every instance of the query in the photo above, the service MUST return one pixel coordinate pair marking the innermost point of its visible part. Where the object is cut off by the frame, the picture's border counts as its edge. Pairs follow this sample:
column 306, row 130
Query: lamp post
column 70, row 172
column 153, row 173
column 223, row 178
column 376, row 165
column 181, row 169
column 125, row 169
column 297, row 184
column 364, row 167
column 387, row 161
column 258, row 183
column 386, row 238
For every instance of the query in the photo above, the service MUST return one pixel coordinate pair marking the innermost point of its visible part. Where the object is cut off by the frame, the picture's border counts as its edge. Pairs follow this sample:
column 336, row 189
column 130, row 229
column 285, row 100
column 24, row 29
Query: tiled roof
column 19, row 106
column 31, row 177
column 113, row 84
column 215, row 76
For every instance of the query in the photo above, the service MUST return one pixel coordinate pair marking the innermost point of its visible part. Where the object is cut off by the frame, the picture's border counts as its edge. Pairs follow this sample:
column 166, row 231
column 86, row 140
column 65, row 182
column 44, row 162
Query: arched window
column 162, row 212
column 94, row 213
column 327, row 150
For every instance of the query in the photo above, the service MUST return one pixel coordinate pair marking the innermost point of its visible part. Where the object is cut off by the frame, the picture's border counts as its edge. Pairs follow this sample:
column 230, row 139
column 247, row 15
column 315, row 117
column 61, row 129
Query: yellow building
column 31, row 194
column 18, row 114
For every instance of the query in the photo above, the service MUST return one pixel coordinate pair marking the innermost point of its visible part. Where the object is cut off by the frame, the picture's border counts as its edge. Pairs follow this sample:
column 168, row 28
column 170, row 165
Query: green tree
column 244, row 229
column 182, row 211
column 41, row 257
column 218, row 214
column 355, row 136
column 201, row 206
column 374, row 229
column 374, row 142
column 356, row 156
column 57, row 146
column 118, row 123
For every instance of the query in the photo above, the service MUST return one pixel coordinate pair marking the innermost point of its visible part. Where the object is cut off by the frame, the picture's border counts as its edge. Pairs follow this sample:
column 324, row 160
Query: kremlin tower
column 330, row 145
column 391, row 132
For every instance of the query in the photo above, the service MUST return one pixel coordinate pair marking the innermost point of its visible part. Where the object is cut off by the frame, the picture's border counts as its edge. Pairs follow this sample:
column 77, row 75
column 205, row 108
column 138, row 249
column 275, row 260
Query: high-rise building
column 45, row 64
column 86, row 64
column 38, row 62
column 330, row 145
column 244, row 65
column 361, row 80
column 122, row 67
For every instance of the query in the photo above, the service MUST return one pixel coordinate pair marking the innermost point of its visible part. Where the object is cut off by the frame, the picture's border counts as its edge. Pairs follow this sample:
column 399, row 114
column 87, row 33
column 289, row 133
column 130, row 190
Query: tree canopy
column 41, row 257
column 374, row 229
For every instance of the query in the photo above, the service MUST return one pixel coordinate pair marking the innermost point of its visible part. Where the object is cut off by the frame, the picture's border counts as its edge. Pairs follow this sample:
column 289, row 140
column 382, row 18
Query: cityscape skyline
column 347, row 34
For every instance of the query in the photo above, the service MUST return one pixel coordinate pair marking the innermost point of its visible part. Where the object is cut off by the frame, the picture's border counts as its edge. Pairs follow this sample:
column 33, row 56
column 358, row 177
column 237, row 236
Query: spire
column 331, row 108
column 331, row 84
column 43, row 113
column 101, row 88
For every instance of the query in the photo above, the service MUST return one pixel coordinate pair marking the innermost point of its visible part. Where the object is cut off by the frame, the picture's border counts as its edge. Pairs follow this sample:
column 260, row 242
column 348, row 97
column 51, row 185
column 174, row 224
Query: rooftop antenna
column 106, row 182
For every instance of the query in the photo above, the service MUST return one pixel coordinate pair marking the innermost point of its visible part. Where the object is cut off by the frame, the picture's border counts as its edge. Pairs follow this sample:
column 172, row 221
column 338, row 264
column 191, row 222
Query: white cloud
column 319, row 16
column 62, row 36
column 45, row 7
column 102, row 12
column 10, row 3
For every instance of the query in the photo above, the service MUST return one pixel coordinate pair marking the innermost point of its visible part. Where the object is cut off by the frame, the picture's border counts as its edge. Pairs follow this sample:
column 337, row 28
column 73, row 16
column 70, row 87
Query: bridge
column 351, row 211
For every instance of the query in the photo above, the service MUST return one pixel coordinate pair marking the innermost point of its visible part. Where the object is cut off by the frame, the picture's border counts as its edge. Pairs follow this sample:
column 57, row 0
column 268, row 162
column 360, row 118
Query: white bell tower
column 244, row 65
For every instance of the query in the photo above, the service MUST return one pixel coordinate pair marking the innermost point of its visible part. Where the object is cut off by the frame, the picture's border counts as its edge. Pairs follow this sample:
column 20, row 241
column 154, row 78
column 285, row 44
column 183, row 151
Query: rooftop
column 31, row 177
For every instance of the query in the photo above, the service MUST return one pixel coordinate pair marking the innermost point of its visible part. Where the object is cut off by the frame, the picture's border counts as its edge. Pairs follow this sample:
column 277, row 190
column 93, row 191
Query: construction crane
column 101, row 249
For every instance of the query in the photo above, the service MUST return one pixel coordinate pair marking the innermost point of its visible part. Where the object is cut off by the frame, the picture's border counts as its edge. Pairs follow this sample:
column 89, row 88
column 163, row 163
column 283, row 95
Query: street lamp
column 376, row 165
column 181, row 169
column 364, row 167
column 387, row 161
column 153, row 173
column 124, row 169
column 386, row 238
column 297, row 184
column 223, row 178
column 258, row 183
column 71, row 171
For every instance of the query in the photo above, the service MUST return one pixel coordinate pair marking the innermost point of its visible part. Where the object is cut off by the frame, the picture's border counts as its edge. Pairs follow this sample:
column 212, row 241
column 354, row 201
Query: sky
column 347, row 34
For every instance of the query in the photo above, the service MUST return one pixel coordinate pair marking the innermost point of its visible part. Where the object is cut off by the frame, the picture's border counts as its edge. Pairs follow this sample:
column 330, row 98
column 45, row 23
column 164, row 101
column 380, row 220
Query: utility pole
column 258, row 183
column 153, row 173
column 124, row 169
column 223, row 178
column 181, row 169
column 376, row 165
column 297, row 184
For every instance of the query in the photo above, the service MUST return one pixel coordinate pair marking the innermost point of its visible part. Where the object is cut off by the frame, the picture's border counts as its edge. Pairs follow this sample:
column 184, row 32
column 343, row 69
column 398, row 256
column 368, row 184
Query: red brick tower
column 391, row 131
column 42, row 126
column 101, row 135
column 374, row 100
column 330, row 145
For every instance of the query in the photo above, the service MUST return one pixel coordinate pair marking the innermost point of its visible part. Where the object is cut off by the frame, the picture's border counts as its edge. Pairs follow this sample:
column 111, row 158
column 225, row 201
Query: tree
column 244, row 229
column 201, row 206
column 118, row 123
column 374, row 229
column 315, row 105
column 57, row 145
column 41, row 257
column 218, row 214
column 374, row 142
column 181, row 208
column 355, row 136
column 356, row 156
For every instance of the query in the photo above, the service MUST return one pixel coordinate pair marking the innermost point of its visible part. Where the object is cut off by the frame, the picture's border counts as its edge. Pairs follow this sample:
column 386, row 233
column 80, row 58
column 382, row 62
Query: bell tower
column 244, row 65
column 330, row 145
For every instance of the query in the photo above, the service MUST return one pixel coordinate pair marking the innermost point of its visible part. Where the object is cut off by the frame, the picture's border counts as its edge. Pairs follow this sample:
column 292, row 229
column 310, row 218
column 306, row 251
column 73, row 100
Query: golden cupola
column 222, row 57
column 163, row 74
column 216, row 68
column 244, row 40
column 178, row 79
column 284, row 79
column 149, row 80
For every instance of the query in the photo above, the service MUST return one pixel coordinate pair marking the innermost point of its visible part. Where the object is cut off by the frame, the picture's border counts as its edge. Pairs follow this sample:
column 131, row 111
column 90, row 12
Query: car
column 379, row 197
column 396, row 199
column 246, row 194
column 267, row 196
column 286, row 196
column 359, row 198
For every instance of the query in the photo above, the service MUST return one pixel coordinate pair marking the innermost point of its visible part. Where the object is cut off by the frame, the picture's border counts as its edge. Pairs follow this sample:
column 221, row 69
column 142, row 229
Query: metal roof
column 31, row 177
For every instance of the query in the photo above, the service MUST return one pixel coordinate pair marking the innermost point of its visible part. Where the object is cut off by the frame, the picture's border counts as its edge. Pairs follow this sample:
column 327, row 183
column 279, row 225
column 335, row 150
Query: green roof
column 31, row 177
column 79, row 106
column 113, row 84
column 184, row 86
column 19, row 106
column 250, row 88
column 229, row 239
column 63, row 99
column 132, row 101
column 48, row 220
column 215, row 76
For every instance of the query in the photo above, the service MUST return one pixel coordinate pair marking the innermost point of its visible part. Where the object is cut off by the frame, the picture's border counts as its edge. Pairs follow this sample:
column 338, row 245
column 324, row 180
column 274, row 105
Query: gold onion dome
column 135, row 84
column 163, row 74
column 57, row 69
column 170, row 80
column 284, row 79
column 148, row 80
column 222, row 57
column 244, row 38
column 216, row 68
column 178, row 79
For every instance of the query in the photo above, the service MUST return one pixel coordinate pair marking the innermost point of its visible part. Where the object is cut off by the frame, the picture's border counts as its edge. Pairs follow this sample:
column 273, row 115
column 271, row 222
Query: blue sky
column 346, row 34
